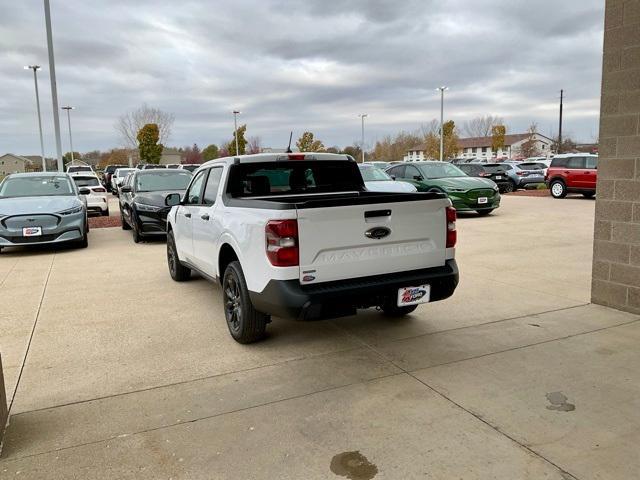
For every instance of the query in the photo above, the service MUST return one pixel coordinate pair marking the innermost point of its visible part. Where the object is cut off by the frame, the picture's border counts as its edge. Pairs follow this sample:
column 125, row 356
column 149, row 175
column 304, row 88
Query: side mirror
column 172, row 200
column 85, row 191
column 126, row 189
column 393, row 177
column 418, row 177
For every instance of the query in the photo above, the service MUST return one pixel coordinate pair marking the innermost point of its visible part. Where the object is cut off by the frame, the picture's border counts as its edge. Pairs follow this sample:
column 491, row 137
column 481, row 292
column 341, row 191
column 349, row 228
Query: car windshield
column 162, row 180
column 123, row 172
column 373, row 174
column 531, row 166
column 441, row 170
column 36, row 186
column 86, row 181
column 79, row 169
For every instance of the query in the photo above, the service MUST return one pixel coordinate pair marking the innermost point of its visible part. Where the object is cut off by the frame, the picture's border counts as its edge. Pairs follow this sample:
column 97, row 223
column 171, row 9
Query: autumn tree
column 498, row 133
column 129, row 124
column 450, row 144
column 481, row 126
column 67, row 157
column 353, row 150
column 148, row 147
column 307, row 143
column 193, row 155
column 117, row 156
column 210, row 152
column 242, row 142
column 395, row 148
column 529, row 148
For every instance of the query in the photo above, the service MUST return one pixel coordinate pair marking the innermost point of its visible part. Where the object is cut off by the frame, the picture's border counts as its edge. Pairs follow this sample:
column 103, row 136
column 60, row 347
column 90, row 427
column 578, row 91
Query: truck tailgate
column 353, row 241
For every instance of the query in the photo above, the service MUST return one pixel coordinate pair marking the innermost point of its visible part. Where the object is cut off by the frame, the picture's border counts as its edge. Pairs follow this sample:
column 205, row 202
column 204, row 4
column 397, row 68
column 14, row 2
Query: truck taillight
column 282, row 243
column 452, row 234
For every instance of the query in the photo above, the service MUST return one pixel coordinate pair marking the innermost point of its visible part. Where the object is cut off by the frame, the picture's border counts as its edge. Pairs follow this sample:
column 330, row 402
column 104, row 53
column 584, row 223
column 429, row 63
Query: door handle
column 566, row 172
column 188, row 215
column 205, row 216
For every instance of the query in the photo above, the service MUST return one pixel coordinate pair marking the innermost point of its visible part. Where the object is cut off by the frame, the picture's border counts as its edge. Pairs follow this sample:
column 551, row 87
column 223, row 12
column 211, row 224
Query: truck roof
column 274, row 157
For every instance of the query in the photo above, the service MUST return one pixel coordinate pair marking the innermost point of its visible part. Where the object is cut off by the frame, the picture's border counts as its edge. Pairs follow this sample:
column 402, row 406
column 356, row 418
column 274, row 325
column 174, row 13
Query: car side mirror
column 126, row 189
column 85, row 191
column 418, row 178
column 393, row 177
column 172, row 200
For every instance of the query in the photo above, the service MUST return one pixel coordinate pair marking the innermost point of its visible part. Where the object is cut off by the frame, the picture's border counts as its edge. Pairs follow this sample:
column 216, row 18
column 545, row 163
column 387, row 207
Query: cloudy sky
column 299, row 65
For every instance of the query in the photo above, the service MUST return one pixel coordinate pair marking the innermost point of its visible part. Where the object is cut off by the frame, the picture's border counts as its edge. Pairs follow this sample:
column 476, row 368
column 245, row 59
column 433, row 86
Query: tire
column 558, row 189
column 84, row 241
column 137, row 236
column 392, row 310
column 105, row 213
column 588, row 194
column 178, row 272
column 246, row 324
column 125, row 225
column 484, row 213
column 509, row 187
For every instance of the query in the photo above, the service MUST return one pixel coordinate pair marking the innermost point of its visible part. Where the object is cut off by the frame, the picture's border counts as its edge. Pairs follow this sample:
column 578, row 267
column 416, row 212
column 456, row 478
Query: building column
column 616, row 258
column 4, row 414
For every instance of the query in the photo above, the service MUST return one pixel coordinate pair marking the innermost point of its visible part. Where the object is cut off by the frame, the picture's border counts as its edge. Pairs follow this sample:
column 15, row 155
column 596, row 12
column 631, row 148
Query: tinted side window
column 559, row 162
column 592, row 162
column 213, row 183
column 195, row 190
column 397, row 171
column 576, row 162
column 411, row 172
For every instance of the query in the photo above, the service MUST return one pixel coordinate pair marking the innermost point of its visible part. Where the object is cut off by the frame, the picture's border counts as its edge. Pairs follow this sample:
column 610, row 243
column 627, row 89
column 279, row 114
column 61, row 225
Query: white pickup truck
column 297, row 235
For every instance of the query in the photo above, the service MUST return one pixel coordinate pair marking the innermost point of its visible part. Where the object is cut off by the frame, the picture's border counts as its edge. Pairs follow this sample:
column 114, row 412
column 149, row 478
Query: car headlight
column 495, row 188
column 143, row 207
column 71, row 211
column 456, row 190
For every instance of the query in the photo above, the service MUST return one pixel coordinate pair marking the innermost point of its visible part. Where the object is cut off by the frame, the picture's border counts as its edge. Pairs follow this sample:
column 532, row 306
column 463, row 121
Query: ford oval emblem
column 377, row 232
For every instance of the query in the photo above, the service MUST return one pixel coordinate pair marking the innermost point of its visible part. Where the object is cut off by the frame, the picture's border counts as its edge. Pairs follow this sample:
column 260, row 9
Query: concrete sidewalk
column 122, row 373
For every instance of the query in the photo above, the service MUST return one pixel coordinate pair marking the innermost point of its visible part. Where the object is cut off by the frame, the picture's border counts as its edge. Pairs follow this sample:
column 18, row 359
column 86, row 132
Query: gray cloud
column 300, row 65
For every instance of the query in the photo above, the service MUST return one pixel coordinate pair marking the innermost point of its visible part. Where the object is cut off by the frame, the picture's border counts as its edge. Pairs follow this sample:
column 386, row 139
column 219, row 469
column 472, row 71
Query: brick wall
column 616, row 252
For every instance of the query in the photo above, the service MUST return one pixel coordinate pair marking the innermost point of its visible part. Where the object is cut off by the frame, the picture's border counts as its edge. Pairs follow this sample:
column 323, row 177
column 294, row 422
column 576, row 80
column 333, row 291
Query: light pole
column 35, row 68
column 68, row 109
column 442, row 90
column 362, row 117
column 54, row 90
column 235, row 128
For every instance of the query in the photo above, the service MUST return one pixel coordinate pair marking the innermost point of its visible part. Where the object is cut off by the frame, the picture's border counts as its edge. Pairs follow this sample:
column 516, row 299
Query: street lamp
column 362, row 117
column 35, row 68
column 442, row 90
column 68, row 109
column 235, row 128
column 54, row 90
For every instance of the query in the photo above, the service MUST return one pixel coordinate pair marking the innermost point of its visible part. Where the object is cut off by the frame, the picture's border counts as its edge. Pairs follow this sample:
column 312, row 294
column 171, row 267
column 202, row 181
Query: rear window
column 293, row 177
column 86, row 181
column 495, row 168
column 531, row 166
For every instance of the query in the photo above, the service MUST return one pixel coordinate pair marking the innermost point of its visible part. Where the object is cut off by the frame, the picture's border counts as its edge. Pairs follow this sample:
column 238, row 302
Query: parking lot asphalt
column 123, row 373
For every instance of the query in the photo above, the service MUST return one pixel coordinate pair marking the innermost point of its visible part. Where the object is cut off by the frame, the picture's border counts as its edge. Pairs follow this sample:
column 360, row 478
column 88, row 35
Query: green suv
column 467, row 193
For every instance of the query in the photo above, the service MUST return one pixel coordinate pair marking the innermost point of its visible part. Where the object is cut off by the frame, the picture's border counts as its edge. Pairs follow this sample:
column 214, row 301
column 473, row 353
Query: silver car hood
column 389, row 186
column 36, row 205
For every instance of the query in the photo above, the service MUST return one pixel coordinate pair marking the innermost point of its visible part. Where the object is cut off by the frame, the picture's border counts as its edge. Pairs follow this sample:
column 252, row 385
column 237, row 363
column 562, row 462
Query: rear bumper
column 288, row 299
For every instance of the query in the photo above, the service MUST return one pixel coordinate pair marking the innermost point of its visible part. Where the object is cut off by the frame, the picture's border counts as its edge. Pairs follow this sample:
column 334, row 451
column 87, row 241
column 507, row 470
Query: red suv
column 575, row 172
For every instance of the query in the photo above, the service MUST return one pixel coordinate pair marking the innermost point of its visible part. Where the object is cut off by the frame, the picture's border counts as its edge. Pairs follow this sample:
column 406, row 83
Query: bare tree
column 430, row 128
column 481, row 126
column 254, row 145
column 129, row 124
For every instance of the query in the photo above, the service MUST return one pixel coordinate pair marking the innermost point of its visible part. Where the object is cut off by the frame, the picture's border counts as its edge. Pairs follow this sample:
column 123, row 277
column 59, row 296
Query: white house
column 10, row 163
column 480, row 147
